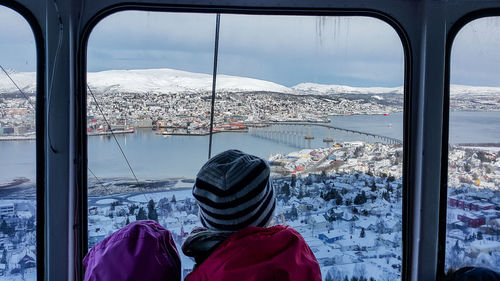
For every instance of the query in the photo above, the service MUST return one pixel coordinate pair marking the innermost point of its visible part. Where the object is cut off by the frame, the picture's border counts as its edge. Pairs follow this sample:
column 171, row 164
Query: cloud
column 475, row 57
column 17, row 42
column 283, row 49
column 357, row 51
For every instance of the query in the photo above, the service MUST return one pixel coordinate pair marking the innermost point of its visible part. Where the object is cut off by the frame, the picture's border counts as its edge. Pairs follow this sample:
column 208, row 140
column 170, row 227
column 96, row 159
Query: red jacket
column 258, row 254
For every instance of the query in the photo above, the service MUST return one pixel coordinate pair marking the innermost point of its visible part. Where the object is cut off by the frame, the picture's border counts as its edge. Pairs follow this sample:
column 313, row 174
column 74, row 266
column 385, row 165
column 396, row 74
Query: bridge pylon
column 328, row 140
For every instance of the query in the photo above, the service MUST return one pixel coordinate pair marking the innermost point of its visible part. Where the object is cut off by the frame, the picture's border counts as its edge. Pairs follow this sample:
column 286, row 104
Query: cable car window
column 321, row 99
column 149, row 95
column 473, row 217
column 17, row 147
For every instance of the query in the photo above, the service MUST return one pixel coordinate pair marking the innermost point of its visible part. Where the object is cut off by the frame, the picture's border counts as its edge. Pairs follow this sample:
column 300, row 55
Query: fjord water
column 157, row 157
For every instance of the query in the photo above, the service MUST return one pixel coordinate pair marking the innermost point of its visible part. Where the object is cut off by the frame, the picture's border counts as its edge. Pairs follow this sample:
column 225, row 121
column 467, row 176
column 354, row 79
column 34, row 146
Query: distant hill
column 166, row 80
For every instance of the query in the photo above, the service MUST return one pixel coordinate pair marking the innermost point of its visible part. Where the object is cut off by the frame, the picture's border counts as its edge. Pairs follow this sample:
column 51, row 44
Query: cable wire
column 113, row 134
column 21, row 91
column 27, row 98
column 214, row 80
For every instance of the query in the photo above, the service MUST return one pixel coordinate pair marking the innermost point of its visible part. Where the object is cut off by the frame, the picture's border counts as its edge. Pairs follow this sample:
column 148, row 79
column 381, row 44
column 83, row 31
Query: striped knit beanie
column 233, row 190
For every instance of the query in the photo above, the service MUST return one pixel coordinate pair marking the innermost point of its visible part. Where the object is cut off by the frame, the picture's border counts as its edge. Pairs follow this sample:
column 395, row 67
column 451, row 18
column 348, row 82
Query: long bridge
column 299, row 133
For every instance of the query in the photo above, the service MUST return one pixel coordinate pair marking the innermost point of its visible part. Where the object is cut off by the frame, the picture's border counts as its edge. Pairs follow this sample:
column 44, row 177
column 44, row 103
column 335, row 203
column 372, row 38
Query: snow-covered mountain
column 322, row 89
column 461, row 90
column 151, row 81
column 170, row 80
column 25, row 80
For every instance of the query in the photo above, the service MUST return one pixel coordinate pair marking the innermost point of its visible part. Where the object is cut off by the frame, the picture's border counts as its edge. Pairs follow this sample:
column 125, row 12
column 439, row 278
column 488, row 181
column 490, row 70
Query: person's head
column 141, row 251
column 470, row 273
column 233, row 191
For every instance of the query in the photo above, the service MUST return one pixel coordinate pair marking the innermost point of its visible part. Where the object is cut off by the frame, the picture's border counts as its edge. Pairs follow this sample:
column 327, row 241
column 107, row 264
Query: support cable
column 214, row 80
column 113, row 134
column 33, row 107
column 21, row 91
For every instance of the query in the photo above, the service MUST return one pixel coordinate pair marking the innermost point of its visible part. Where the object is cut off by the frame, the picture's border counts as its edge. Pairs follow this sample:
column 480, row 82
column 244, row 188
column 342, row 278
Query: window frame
column 39, row 130
column 443, row 205
column 81, row 195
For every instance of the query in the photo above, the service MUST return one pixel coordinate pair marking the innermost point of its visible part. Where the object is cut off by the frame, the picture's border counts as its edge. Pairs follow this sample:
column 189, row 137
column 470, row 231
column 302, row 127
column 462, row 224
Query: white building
column 6, row 209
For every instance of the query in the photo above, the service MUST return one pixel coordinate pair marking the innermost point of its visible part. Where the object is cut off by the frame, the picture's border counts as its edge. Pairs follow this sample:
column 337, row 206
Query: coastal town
column 179, row 102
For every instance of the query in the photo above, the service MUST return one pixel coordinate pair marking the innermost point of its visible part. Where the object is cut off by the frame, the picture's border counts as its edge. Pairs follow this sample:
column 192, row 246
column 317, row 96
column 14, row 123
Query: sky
column 354, row 51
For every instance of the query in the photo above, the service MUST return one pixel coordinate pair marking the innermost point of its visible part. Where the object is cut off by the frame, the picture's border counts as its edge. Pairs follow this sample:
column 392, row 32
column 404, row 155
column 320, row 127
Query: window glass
column 321, row 99
column 17, row 148
column 149, row 82
column 473, row 213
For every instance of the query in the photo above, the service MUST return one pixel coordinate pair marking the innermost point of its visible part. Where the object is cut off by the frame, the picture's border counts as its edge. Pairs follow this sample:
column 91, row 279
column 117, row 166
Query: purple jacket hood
column 142, row 250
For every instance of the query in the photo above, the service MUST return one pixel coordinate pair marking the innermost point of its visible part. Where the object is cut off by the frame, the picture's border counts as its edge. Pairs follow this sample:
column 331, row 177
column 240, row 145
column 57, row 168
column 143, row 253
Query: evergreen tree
column 346, row 278
column 153, row 215
column 3, row 227
column 386, row 196
column 479, row 235
column 9, row 230
column 31, row 223
column 362, row 234
column 338, row 200
column 151, row 205
column 301, row 193
column 127, row 222
column 308, row 180
column 332, row 194
column 294, row 212
column 141, row 215
column 286, row 189
column 293, row 181
column 360, row 198
column 4, row 256
column 173, row 199
column 329, row 277
column 131, row 209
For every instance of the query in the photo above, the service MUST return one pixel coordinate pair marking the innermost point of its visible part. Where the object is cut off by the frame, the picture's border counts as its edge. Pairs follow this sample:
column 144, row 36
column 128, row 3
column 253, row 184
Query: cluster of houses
column 473, row 213
column 473, row 224
column 477, row 213
column 345, row 158
column 357, row 225
column 17, row 239
column 191, row 111
column 17, row 117
column 474, row 166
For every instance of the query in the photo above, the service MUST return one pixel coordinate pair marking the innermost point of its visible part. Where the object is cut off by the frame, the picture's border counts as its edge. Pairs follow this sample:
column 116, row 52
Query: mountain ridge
column 165, row 80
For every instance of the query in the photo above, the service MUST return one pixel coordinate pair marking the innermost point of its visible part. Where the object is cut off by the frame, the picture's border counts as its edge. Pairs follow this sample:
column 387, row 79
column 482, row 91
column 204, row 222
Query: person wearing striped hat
column 236, row 203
